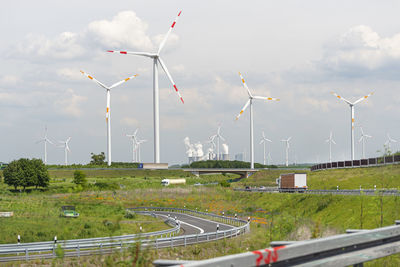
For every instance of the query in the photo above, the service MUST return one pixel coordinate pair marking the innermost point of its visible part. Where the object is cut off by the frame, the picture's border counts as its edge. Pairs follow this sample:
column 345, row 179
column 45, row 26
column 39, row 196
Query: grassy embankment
column 276, row 216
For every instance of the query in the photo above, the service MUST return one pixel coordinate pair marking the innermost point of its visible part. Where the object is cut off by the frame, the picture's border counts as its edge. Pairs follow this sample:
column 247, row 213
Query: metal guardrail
column 393, row 159
column 340, row 250
column 369, row 192
column 102, row 245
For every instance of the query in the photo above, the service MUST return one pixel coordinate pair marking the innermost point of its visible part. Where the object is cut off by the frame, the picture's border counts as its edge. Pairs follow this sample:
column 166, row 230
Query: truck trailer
column 292, row 182
column 167, row 182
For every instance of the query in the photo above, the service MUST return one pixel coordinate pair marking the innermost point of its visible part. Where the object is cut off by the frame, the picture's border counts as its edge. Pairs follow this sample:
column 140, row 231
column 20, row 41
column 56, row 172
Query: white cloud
column 70, row 103
column 124, row 30
column 362, row 48
column 8, row 80
column 70, row 74
column 128, row 121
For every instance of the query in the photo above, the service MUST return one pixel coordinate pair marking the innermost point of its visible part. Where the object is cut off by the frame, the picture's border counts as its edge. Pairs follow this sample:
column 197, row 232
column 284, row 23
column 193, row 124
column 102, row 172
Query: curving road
column 194, row 225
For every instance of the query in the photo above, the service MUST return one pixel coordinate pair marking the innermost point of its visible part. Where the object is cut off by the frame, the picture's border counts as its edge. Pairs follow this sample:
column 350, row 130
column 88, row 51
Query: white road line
column 231, row 226
column 194, row 226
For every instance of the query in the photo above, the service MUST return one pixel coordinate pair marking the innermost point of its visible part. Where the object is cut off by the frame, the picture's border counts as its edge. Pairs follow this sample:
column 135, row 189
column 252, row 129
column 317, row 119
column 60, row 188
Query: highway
column 188, row 227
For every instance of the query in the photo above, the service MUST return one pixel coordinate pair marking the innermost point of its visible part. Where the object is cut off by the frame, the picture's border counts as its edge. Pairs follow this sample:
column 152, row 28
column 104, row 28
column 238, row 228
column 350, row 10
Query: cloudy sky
column 298, row 51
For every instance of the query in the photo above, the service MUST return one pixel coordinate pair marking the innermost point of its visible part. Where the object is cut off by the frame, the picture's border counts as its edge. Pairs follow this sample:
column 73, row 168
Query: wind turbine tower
column 331, row 141
column 156, row 110
column 287, row 149
column 66, row 149
column 108, row 116
column 363, row 139
column 351, row 105
column 250, row 102
column 389, row 142
column 263, row 141
column 45, row 140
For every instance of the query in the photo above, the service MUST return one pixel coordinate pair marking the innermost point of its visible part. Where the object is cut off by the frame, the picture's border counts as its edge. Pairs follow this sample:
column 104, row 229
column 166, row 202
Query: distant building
column 239, row 157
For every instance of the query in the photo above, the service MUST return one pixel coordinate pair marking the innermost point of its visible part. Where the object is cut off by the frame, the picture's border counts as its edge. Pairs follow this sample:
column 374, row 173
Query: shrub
column 80, row 178
column 26, row 172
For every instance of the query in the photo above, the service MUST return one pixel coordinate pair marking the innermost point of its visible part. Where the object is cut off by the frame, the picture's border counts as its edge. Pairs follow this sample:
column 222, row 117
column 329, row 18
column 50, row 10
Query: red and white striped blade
column 266, row 98
column 168, row 33
column 341, row 98
column 92, row 78
column 243, row 109
column 132, row 53
column 124, row 80
column 164, row 67
column 363, row 98
column 245, row 85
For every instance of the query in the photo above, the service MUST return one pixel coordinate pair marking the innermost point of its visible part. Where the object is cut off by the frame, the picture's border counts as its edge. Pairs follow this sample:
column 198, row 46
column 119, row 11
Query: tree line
column 26, row 172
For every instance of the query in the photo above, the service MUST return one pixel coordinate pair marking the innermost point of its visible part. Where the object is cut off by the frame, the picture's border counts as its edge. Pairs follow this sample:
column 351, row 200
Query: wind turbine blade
column 245, row 85
column 124, row 80
column 39, row 141
column 168, row 33
column 341, row 98
column 69, row 138
column 268, row 140
column 243, row 109
column 164, row 67
column 48, row 140
column 145, row 54
column 263, row 134
column 333, row 141
column 262, row 141
column 135, row 133
column 266, row 98
column 92, row 78
column 369, row 136
column 223, row 139
column 363, row 98
column 362, row 137
column 289, row 139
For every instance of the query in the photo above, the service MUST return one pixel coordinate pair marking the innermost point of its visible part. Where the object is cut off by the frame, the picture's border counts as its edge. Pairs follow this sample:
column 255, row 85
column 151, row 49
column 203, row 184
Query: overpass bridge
column 244, row 173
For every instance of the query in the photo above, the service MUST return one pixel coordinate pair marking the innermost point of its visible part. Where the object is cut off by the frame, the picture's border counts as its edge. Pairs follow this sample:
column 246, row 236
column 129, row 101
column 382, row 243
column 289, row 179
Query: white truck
column 167, row 182
column 292, row 182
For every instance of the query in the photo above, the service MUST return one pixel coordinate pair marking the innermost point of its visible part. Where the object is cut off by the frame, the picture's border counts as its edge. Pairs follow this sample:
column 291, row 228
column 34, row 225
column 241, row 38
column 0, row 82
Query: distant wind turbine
column 331, row 141
column 250, row 102
column 351, row 105
column 263, row 141
column 156, row 60
column 66, row 149
column 45, row 140
column 133, row 139
column 389, row 142
column 287, row 149
column 108, row 116
column 218, row 136
column 363, row 139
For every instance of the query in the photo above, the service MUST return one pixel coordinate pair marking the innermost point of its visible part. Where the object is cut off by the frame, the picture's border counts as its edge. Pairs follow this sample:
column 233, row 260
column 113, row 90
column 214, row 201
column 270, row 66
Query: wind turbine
column 45, row 140
column 218, row 136
column 250, row 102
column 389, row 142
column 66, row 149
column 269, row 158
column 212, row 144
column 108, row 116
column 137, row 144
column 156, row 60
column 263, row 141
column 133, row 139
column 330, row 140
column 363, row 139
column 352, row 117
column 287, row 149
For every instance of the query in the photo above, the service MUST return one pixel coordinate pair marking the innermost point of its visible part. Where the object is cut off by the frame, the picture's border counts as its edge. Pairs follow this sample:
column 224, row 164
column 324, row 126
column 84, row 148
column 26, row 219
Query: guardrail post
column 121, row 246
column 101, row 248
column 185, row 240
column 26, row 254
column 78, row 251
column 172, row 243
column 54, row 251
column 208, row 238
column 197, row 238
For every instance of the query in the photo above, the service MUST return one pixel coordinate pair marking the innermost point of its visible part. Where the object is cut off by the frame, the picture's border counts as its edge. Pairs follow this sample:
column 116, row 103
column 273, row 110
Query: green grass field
column 275, row 216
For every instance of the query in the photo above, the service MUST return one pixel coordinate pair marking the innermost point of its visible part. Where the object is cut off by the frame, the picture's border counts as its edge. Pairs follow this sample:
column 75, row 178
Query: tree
column 25, row 173
column 80, row 178
column 98, row 159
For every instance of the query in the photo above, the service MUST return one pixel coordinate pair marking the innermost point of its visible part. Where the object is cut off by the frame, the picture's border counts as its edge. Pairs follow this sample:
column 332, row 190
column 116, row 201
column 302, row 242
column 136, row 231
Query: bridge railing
column 341, row 250
column 393, row 159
